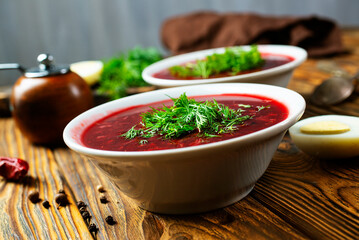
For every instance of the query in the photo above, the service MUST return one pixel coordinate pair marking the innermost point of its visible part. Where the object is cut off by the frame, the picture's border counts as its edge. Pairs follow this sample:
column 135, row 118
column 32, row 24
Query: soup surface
column 270, row 61
column 105, row 134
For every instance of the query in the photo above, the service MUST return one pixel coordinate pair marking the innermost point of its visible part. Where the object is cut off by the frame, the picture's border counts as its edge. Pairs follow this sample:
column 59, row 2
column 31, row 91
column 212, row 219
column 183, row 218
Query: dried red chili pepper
column 13, row 168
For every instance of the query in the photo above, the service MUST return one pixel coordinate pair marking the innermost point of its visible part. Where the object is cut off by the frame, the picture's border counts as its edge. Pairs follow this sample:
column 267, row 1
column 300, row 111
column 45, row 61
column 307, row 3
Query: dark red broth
column 105, row 133
column 270, row 61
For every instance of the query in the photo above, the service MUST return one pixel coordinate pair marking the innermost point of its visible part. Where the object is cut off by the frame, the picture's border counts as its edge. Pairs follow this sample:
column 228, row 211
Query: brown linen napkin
column 204, row 30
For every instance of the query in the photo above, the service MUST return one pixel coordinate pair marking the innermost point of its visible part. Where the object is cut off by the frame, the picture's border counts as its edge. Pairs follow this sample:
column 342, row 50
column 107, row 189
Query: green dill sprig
column 233, row 60
column 125, row 70
column 209, row 119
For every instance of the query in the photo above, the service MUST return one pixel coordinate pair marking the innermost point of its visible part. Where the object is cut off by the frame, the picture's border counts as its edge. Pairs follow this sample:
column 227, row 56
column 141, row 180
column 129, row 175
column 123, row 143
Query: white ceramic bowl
column 278, row 76
column 192, row 179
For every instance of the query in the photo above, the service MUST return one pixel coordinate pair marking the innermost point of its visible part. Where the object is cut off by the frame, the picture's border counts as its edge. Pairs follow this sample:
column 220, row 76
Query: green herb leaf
column 260, row 108
column 123, row 71
column 186, row 116
column 244, row 105
column 143, row 142
column 234, row 60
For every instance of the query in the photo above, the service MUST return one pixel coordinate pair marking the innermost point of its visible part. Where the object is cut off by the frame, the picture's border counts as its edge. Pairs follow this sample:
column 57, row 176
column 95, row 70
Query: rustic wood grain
column 316, row 196
column 21, row 219
column 299, row 197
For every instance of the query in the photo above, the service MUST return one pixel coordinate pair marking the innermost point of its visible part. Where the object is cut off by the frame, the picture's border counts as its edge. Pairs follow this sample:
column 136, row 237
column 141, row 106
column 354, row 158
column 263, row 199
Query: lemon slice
column 90, row 71
column 325, row 127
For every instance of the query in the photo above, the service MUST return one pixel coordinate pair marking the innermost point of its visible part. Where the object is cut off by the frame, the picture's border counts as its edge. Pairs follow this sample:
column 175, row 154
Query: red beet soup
column 270, row 61
column 105, row 134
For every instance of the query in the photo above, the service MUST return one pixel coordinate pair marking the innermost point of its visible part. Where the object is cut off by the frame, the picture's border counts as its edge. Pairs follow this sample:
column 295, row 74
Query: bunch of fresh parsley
column 233, row 60
column 125, row 70
column 186, row 116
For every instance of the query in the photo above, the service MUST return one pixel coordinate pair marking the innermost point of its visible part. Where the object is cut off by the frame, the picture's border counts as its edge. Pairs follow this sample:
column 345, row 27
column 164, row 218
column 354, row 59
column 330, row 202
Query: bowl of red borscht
column 275, row 68
column 189, row 149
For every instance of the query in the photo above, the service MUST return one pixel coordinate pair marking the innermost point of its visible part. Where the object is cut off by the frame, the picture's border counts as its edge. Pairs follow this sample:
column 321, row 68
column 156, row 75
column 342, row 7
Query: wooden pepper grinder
column 46, row 98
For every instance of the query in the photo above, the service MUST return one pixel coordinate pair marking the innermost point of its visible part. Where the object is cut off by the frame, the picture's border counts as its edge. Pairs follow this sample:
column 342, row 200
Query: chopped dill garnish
column 259, row 108
column 244, row 105
column 208, row 119
column 233, row 60
column 132, row 133
column 143, row 141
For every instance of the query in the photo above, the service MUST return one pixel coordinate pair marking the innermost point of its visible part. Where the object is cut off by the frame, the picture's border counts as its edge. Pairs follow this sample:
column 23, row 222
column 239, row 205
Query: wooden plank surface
column 299, row 197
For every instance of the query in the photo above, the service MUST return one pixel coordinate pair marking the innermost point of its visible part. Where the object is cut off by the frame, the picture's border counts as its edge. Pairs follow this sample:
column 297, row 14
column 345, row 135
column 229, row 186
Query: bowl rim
column 295, row 112
column 299, row 55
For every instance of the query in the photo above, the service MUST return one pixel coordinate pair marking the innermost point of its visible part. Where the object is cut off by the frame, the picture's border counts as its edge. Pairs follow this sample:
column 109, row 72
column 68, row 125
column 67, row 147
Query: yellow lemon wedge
column 90, row 71
column 325, row 127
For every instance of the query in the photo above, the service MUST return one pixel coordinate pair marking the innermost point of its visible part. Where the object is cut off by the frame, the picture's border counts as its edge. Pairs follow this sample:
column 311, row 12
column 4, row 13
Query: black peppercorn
column 93, row 228
column 33, row 196
column 82, row 209
column 103, row 198
column 46, row 204
column 109, row 220
column 61, row 199
column 85, row 215
column 101, row 189
column 80, row 204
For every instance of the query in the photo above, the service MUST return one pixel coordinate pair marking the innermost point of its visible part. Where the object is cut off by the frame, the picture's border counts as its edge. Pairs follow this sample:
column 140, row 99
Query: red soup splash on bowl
column 109, row 132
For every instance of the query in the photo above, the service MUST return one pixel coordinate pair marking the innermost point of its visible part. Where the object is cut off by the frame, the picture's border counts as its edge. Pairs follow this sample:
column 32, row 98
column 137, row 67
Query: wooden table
column 298, row 197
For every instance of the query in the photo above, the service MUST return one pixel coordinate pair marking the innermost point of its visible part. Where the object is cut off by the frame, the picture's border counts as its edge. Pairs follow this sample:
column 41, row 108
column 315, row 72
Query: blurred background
column 94, row 30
